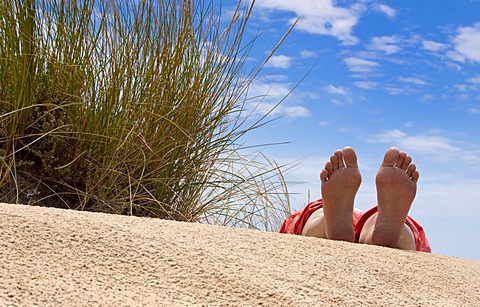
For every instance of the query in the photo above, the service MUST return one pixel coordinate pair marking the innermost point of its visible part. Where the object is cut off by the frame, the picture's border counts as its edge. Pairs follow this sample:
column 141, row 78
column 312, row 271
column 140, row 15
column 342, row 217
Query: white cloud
column 427, row 97
column 473, row 84
column 265, row 95
column 395, row 90
column 336, row 102
column 453, row 65
column 295, row 111
column 413, row 80
column 474, row 110
column 388, row 44
column 341, row 95
column 360, row 65
column 460, row 87
column 389, row 11
column 279, row 61
column 306, row 54
column 337, row 90
column 366, row 84
column 433, row 146
column 269, row 91
column 272, row 78
column 440, row 190
column 433, row 46
column 429, row 144
column 320, row 17
column 466, row 44
column 388, row 136
column 475, row 80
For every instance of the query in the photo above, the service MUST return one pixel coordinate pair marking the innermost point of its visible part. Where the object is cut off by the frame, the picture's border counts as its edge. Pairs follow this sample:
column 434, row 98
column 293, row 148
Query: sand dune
column 52, row 257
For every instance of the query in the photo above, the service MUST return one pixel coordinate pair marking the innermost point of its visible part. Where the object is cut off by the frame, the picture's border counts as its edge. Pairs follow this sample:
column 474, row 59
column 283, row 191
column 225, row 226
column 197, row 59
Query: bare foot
column 340, row 182
column 396, row 189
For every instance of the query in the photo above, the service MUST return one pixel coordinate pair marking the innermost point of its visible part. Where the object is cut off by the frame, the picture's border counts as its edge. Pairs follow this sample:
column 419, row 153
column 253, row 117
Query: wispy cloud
column 279, row 61
column 294, row 111
column 367, row 85
column 387, row 44
column 340, row 95
column 306, row 54
column 267, row 89
column 387, row 10
column 360, row 65
column 427, row 97
column 425, row 144
column 337, row 90
column 471, row 84
column 392, row 90
column 265, row 94
column 432, row 145
column 460, row 87
column 387, row 136
column 466, row 44
column 321, row 17
column 413, row 80
column 434, row 46
column 474, row 80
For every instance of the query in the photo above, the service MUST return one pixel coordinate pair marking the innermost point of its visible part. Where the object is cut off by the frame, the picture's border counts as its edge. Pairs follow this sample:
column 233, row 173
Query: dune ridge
column 60, row 257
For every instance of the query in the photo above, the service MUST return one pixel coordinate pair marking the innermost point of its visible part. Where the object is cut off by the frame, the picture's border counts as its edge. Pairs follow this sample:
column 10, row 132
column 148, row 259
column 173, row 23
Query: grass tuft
column 132, row 107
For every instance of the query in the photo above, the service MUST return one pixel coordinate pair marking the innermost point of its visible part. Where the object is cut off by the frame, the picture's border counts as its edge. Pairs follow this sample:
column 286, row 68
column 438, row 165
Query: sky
column 374, row 75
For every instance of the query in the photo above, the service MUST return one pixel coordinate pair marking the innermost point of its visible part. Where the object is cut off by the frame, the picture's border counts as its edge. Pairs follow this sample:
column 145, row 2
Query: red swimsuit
column 296, row 221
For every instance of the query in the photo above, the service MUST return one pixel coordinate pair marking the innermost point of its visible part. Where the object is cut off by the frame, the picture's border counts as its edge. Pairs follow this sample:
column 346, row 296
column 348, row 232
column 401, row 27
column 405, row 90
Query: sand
column 53, row 257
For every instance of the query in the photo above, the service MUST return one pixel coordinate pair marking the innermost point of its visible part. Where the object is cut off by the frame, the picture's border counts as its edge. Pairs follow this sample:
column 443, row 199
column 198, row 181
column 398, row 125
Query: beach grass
column 133, row 107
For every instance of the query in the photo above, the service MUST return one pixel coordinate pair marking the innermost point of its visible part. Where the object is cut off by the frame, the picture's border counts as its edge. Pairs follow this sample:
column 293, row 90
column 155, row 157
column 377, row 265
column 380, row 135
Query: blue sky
column 378, row 74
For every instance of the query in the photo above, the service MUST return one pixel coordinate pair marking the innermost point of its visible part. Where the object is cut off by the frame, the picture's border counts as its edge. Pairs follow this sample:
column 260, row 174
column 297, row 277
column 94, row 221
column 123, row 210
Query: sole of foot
column 396, row 183
column 340, row 180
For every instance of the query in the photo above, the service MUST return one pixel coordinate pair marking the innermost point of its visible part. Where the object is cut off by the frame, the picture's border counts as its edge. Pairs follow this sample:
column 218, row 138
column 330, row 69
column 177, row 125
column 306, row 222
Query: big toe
column 350, row 157
column 391, row 157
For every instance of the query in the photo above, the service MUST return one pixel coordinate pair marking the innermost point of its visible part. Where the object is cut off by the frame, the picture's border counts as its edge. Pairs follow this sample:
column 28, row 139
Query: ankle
column 341, row 234
column 386, row 235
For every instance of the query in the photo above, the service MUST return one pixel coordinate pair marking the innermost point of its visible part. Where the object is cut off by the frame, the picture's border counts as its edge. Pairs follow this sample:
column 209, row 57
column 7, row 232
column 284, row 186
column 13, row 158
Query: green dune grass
column 133, row 107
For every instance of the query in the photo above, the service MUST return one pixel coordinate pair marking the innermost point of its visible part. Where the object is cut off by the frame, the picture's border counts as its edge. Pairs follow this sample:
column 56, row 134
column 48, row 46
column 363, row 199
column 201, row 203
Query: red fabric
column 296, row 221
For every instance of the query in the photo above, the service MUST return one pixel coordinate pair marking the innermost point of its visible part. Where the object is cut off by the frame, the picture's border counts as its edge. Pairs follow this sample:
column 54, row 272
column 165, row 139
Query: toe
column 324, row 175
column 412, row 172
column 415, row 176
column 400, row 159
column 334, row 162
column 391, row 157
column 406, row 162
column 350, row 157
column 411, row 168
column 339, row 155
column 329, row 168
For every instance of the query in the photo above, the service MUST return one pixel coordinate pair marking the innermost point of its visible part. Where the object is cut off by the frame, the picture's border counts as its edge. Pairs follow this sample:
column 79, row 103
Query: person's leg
column 340, row 180
column 396, row 189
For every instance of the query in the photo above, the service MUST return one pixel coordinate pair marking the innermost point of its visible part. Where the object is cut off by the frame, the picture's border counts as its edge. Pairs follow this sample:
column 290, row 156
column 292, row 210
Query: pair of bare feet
column 396, row 183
